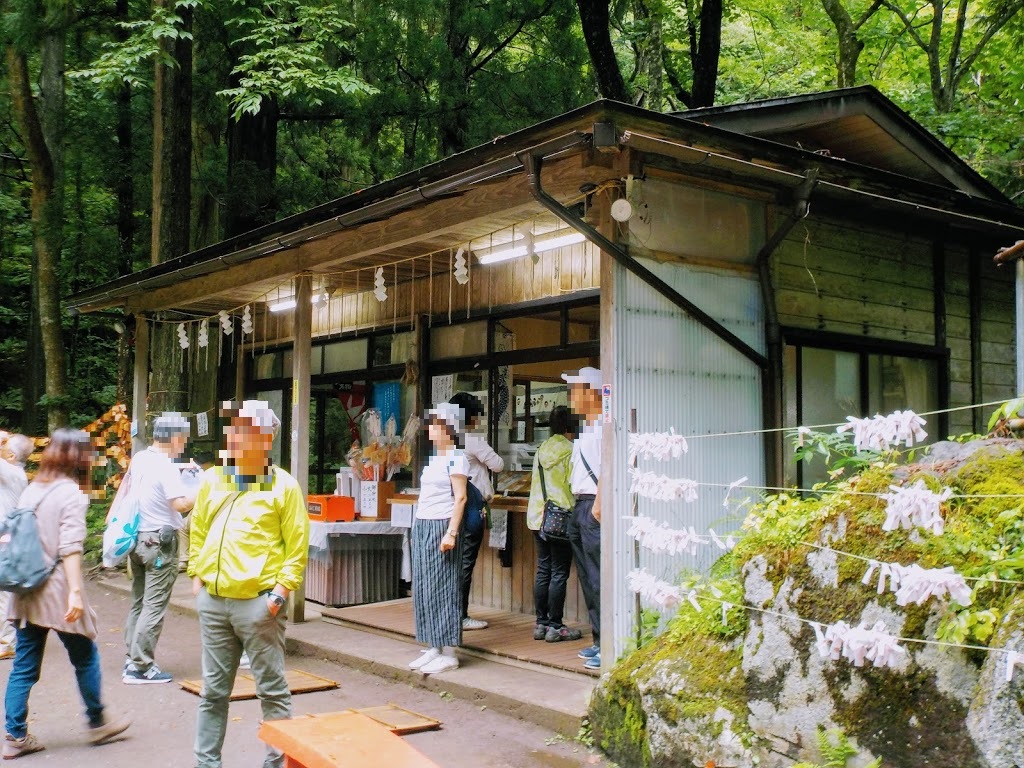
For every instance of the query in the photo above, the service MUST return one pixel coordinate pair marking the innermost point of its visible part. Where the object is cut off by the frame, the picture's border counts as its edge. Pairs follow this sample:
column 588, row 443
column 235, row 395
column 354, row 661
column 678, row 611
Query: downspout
column 771, row 390
column 532, row 163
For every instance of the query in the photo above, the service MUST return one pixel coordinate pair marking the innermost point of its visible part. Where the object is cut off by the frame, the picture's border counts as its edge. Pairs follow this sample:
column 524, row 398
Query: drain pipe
column 533, row 163
column 771, row 390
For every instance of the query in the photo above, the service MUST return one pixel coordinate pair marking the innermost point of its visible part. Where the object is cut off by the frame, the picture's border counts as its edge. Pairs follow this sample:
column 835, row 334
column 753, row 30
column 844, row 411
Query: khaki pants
column 226, row 628
column 154, row 569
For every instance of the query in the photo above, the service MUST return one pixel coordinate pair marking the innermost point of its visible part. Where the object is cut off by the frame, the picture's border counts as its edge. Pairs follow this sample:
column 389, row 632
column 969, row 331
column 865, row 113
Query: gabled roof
column 855, row 124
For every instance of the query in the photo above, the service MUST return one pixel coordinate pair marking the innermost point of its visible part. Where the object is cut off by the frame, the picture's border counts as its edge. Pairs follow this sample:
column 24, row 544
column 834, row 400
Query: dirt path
column 164, row 715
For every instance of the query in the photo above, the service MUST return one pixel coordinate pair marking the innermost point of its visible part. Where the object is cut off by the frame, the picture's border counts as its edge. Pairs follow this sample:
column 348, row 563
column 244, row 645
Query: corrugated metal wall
column 678, row 374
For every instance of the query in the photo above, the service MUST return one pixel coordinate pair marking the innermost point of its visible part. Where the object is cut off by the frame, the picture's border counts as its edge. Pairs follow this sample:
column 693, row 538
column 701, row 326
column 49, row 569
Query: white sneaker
column 243, row 662
column 425, row 658
column 468, row 623
column 441, row 664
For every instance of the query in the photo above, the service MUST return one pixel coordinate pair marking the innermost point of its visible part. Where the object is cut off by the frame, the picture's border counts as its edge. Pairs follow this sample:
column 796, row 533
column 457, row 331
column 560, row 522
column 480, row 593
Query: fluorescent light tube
column 560, row 239
column 283, row 306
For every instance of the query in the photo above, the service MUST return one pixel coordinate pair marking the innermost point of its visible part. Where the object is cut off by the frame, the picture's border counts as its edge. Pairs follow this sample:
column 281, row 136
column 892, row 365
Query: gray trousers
column 154, row 569
column 226, row 628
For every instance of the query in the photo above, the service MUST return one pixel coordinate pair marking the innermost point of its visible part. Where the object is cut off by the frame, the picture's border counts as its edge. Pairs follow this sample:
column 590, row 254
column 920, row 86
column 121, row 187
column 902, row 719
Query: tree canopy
column 238, row 112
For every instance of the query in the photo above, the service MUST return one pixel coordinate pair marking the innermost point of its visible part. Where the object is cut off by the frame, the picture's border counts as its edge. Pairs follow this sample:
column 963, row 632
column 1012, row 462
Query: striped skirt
column 436, row 585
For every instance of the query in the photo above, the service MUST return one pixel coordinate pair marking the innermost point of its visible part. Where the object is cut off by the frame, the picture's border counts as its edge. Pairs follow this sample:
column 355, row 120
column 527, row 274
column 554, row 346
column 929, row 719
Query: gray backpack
column 24, row 566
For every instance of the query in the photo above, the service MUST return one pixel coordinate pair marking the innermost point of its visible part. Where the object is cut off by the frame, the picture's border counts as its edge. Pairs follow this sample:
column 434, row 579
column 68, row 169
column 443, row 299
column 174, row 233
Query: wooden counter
column 511, row 588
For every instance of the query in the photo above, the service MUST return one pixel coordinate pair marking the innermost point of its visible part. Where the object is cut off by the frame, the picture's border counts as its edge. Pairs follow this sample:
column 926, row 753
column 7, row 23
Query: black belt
column 585, row 496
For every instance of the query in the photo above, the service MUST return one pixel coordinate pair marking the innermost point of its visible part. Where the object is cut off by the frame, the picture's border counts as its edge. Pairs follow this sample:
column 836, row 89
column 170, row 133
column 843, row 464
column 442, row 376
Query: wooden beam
column 140, row 385
column 509, row 197
column 611, row 516
column 300, row 413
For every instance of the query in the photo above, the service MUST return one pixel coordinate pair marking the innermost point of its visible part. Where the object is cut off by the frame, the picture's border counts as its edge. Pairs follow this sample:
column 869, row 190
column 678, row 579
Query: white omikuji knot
column 659, row 538
column 204, row 334
column 660, row 446
column 858, row 644
column 1013, row 660
column 226, row 322
column 380, row 291
column 656, row 591
column 657, row 487
column 182, row 336
column 461, row 270
column 880, row 433
column 917, row 585
column 915, row 506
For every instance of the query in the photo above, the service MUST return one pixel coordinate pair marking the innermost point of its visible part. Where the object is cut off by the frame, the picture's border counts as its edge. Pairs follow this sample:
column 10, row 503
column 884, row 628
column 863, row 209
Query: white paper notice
column 441, row 389
column 499, row 528
column 202, row 424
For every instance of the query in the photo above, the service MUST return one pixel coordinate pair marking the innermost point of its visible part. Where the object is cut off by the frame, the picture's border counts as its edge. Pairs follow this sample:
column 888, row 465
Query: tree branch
column 507, row 41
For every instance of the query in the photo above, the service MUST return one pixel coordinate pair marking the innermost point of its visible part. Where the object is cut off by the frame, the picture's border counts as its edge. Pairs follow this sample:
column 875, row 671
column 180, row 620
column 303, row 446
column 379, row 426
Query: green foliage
column 1008, row 410
column 836, row 750
column 836, row 449
column 297, row 49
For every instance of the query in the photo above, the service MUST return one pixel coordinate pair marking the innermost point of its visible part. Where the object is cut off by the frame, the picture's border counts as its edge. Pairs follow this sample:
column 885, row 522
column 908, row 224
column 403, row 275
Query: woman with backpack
column 436, row 544
column 60, row 602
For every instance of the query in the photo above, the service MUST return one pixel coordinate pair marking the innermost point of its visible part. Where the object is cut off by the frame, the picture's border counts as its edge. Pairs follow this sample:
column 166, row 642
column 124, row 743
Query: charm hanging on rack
column 182, row 336
column 204, row 334
column 247, row 326
column 380, row 290
column 226, row 322
column 461, row 271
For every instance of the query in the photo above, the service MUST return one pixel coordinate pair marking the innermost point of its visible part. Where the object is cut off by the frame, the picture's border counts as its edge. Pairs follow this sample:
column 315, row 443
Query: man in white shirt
column 585, row 523
column 482, row 461
column 14, row 452
column 161, row 496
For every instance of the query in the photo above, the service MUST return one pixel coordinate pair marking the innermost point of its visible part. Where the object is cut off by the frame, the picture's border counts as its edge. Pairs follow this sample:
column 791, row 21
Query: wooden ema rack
column 349, row 739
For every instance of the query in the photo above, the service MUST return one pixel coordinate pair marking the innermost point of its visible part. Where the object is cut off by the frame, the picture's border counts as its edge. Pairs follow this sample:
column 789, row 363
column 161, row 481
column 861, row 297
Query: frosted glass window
column 459, row 340
column 345, row 356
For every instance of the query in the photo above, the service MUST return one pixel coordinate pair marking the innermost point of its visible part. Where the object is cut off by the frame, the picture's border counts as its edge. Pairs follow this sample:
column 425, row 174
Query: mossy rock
column 768, row 691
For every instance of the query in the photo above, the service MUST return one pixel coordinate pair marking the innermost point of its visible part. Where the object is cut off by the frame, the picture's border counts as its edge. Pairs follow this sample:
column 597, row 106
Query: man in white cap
column 162, row 499
column 14, row 452
column 248, row 550
column 585, row 523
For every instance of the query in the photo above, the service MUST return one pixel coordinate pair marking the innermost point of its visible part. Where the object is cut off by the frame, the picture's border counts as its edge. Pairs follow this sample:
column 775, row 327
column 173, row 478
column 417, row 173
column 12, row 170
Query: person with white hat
column 162, row 499
column 248, row 549
column 436, row 544
column 584, row 477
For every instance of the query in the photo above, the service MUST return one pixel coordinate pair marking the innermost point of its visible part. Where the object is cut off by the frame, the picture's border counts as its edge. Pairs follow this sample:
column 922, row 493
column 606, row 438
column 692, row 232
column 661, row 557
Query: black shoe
column 558, row 634
column 539, row 631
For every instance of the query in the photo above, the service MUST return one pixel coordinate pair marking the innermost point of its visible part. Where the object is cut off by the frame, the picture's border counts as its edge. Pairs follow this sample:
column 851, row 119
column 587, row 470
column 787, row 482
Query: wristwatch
column 453, row 534
column 277, row 599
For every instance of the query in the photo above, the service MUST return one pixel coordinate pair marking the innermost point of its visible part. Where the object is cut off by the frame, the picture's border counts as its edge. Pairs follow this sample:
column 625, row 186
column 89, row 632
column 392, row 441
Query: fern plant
column 836, row 750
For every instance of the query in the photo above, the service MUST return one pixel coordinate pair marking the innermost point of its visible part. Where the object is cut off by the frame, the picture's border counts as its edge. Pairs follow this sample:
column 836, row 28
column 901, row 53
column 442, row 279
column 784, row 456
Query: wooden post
column 301, row 348
column 140, row 384
column 610, row 517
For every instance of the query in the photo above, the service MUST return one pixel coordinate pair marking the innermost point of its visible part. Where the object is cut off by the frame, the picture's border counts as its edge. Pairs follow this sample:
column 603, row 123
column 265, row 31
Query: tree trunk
column 252, row 170
column 849, row 45
column 650, row 52
column 705, row 50
column 596, row 20
column 124, row 182
column 172, row 147
column 453, row 85
column 172, row 202
column 47, row 219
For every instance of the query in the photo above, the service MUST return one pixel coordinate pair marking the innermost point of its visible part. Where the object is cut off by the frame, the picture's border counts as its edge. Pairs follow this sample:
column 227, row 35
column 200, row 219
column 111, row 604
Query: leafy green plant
column 1008, row 410
column 836, row 750
column 835, row 449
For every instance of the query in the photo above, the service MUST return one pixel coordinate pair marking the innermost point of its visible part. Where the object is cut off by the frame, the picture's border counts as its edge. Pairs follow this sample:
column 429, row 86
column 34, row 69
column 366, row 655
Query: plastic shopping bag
column 122, row 525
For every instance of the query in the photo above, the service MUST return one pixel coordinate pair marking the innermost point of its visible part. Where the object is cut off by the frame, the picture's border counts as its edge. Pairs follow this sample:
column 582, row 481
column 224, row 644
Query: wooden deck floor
column 509, row 636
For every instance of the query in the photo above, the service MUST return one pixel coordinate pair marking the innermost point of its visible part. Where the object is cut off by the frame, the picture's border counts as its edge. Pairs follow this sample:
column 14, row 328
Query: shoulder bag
column 556, row 519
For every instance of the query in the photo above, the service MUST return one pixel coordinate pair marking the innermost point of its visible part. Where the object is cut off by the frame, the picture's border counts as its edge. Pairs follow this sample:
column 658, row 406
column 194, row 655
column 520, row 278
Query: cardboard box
column 373, row 499
column 331, row 509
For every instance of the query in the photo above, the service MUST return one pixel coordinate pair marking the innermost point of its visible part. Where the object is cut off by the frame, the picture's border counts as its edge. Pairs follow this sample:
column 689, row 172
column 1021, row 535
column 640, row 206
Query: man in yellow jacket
column 247, row 552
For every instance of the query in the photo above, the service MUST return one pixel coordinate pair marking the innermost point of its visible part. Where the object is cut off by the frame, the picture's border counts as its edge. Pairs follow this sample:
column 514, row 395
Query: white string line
column 824, row 548
column 817, row 427
column 795, row 617
column 851, row 492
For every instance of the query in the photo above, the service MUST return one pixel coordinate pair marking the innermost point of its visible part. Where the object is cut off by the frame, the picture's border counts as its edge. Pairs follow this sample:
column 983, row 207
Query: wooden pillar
column 140, row 384
column 301, row 350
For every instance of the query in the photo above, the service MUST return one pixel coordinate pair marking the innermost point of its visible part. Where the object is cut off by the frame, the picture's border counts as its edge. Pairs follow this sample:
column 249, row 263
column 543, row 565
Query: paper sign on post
column 202, row 424
column 606, row 403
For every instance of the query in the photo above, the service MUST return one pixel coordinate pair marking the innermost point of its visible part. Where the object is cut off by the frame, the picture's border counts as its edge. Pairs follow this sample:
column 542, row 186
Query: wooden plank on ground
column 245, row 684
column 341, row 738
column 399, row 720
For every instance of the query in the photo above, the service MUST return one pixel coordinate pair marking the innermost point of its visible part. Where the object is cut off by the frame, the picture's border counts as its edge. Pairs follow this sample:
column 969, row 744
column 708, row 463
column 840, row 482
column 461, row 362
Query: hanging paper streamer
column 204, row 334
column 182, row 336
column 226, row 323
column 880, row 433
column 915, row 506
column 914, row 584
column 660, row 539
column 247, row 326
column 461, row 271
column 859, row 644
column 661, row 488
column 660, row 446
column 380, row 291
